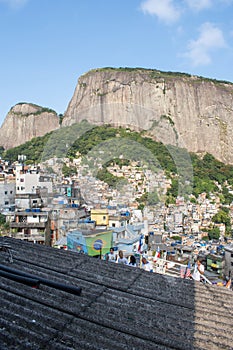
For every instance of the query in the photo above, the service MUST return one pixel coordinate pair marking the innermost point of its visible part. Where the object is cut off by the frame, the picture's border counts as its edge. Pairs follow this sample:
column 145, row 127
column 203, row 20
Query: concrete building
column 28, row 180
column 7, row 194
column 215, row 263
column 229, row 260
column 31, row 225
column 25, row 201
column 118, row 220
column 126, row 238
column 100, row 216
column 91, row 242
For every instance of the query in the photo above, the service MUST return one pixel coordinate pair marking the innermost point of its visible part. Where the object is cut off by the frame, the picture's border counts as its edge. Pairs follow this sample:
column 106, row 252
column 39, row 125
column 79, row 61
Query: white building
column 7, row 194
column 27, row 181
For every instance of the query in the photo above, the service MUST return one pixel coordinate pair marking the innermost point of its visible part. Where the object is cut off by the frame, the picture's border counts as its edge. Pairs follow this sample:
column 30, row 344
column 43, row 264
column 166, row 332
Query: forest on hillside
column 206, row 173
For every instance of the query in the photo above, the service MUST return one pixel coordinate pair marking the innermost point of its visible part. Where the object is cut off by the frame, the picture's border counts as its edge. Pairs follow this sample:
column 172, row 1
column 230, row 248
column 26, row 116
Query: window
column 5, row 192
column 11, row 192
column 113, row 224
column 6, row 203
column 104, row 217
column 21, row 180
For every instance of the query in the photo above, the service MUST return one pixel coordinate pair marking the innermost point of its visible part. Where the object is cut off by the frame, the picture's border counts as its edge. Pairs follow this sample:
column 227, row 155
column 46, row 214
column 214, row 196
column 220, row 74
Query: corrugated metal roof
column 120, row 307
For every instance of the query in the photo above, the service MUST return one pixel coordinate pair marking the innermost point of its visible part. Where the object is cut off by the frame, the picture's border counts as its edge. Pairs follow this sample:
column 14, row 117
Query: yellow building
column 100, row 216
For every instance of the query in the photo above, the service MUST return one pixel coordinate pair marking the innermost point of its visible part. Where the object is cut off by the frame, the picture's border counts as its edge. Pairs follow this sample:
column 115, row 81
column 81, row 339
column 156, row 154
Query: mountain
column 175, row 108
column 25, row 121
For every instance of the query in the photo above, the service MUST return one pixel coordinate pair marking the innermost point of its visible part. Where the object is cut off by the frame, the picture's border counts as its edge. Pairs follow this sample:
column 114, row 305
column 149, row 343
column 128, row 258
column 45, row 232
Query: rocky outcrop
column 179, row 109
column 25, row 121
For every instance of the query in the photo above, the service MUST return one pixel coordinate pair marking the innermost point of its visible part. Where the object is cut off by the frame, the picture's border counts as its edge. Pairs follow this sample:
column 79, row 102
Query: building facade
column 228, row 271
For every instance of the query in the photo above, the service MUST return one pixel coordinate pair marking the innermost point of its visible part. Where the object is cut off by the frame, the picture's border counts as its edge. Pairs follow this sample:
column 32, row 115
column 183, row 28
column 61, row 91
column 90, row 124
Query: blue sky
column 45, row 45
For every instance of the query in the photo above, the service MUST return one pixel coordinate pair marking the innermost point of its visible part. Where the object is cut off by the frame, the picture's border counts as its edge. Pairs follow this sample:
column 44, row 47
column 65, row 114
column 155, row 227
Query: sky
column 46, row 45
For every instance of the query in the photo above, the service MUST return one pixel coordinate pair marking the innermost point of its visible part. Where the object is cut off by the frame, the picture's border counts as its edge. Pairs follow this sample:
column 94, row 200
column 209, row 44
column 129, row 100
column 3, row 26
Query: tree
column 193, row 200
column 172, row 192
column 221, row 217
column 4, row 225
column 176, row 238
column 68, row 170
column 141, row 207
column 112, row 181
column 1, row 150
column 170, row 199
column 227, row 197
column 214, row 233
column 152, row 198
column 2, row 219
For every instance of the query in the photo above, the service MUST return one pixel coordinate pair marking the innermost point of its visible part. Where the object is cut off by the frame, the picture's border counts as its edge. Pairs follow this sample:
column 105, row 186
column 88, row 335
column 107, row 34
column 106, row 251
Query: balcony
column 28, row 224
column 28, row 237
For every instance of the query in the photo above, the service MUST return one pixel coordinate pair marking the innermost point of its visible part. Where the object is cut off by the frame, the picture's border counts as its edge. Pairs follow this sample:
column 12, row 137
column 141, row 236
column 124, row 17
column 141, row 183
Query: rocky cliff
column 175, row 108
column 25, row 121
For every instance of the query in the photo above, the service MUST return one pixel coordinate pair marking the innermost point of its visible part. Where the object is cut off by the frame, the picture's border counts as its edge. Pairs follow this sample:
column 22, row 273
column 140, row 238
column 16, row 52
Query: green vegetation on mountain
column 53, row 144
column 155, row 74
column 214, row 233
column 68, row 171
column 31, row 149
column 223, row 217
column 149, row 198
column 188, row 172
column 39, row 111
column 110, row 179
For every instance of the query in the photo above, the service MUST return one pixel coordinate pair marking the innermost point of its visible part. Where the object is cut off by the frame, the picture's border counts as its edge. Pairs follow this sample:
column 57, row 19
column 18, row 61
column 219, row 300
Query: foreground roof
column 120, row 307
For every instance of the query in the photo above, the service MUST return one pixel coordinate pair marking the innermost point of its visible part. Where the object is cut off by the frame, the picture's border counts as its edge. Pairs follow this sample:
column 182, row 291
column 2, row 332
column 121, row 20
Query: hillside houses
column 36, row 201
column 48, row 208
column 35, row 190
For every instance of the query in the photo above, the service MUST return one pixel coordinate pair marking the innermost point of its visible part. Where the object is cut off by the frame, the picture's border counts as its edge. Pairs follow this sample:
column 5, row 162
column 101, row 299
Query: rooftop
column 120, row 307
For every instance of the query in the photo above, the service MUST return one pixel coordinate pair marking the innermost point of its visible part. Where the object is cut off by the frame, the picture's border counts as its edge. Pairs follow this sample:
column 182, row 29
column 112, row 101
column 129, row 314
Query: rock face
column 187, row 111
column 25, row 121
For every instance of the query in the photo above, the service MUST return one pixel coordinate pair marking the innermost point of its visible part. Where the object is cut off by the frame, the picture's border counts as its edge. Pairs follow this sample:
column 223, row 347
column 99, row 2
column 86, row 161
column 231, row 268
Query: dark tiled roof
column 120, row 307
